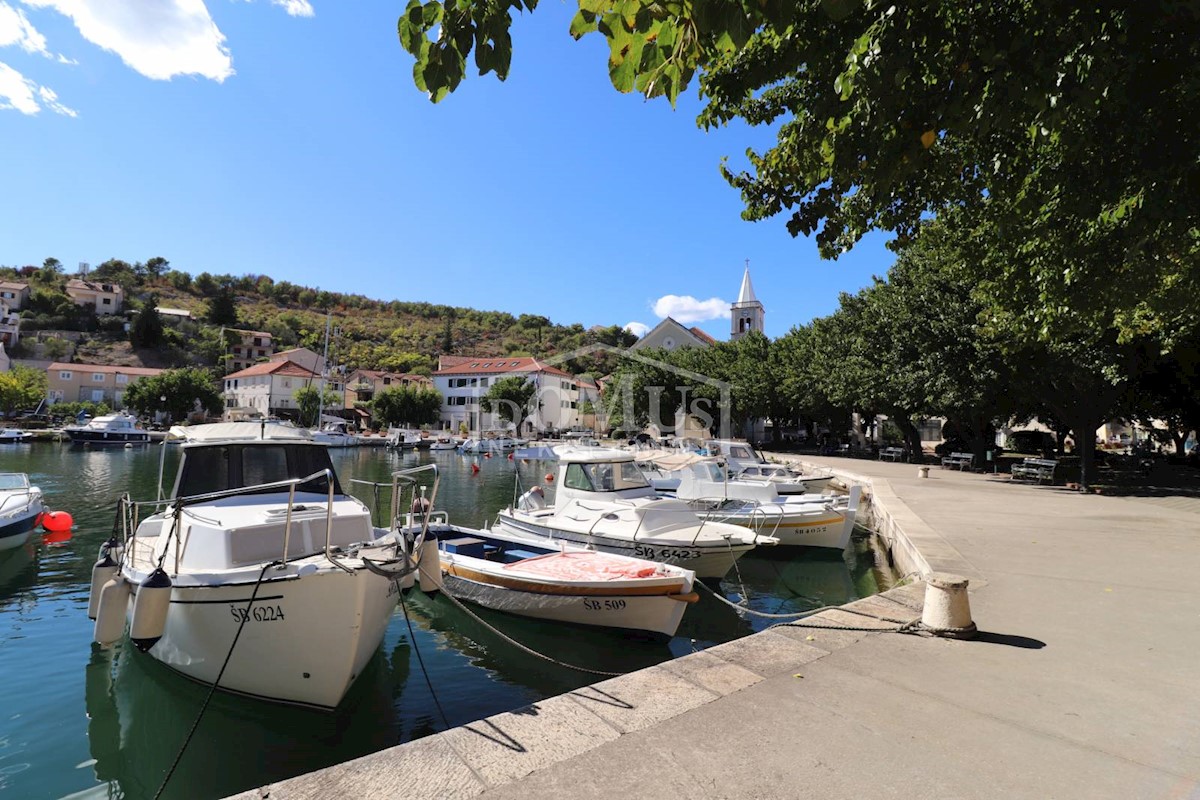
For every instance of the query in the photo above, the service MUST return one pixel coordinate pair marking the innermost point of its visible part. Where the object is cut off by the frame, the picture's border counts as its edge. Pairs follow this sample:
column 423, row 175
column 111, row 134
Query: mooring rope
column 904, row 625
column 212, row 690
column 413, row 641
column 520, row 646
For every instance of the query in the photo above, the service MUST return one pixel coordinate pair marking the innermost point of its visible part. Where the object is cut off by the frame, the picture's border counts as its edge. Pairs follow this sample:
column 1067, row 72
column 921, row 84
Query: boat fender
column 421, row 506
column 103, row 571
column 549, row 477
column 110, row 611
column 150, row 610
column 429, row 566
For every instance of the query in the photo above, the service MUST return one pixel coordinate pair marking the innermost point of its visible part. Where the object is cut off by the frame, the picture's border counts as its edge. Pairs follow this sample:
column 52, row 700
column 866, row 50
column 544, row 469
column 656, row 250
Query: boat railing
column 421, row 506
column 128, row 511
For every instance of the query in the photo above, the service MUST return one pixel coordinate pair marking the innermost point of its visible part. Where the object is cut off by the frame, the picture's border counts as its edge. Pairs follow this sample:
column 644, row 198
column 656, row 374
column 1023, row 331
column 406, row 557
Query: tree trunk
column 1084, row 430
column 912, row 438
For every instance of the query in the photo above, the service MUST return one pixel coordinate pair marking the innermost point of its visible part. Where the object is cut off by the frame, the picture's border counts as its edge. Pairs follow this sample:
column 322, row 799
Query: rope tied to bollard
column 903, row 626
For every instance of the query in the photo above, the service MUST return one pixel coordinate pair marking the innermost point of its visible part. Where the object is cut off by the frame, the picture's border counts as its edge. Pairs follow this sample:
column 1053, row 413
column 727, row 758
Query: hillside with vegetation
column 393, row 335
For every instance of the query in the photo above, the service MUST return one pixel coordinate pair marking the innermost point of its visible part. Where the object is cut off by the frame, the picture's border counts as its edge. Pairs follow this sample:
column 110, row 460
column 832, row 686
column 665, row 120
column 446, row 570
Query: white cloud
column 160, row 40
column 21, row 94
column 687, row 309
column 16, row 29
column 17, row 91
column 295, row 8
column 48, row 97
column 638, row 329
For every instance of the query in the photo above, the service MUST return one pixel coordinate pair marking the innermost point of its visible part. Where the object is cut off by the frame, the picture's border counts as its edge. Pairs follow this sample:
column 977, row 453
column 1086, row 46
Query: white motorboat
column 746, row 463
column 443, row 443
column 604, row 502
column 335, row 433
column 809, row 520
column 403, row 438
column 786, row 482
column 534, row 577
column 253, row 571
column 14, row 436
column 20, row 508
column 110, row 429
column 501, row 444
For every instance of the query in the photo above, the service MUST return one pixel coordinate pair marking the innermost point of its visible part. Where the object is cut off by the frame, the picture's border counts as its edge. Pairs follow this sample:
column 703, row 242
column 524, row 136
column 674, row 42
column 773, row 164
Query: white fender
column 102, row 572
column 110, row 612
column 430, row 568
column 150, row 610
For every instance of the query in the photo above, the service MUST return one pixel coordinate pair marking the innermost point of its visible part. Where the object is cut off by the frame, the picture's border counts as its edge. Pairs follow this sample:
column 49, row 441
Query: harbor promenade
column 1083, row 683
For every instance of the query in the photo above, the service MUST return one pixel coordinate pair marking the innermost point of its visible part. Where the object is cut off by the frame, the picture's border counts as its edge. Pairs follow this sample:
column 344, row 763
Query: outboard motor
column 533, row 500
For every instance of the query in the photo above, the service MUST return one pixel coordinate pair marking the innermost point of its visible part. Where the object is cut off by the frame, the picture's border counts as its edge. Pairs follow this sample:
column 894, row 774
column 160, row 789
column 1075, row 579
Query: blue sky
column 285, row 137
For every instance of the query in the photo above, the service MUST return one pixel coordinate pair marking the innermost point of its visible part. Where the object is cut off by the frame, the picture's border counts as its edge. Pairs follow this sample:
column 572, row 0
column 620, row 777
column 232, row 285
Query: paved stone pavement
column 1082, row 683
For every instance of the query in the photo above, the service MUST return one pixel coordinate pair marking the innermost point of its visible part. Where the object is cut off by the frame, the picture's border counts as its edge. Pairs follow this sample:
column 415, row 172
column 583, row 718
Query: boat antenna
column 324, row 369
column 262, row 428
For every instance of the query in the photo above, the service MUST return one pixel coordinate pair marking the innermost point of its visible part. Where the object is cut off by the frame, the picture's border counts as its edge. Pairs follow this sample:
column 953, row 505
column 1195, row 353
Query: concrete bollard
column 922, row 472
column 947, row 610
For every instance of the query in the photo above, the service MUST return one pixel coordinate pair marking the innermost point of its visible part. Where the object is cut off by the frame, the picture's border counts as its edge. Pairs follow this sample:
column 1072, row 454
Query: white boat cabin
column 247, row 520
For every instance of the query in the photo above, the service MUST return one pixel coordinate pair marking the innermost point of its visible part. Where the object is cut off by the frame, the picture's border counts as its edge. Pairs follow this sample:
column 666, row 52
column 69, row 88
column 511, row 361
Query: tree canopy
column 311, row 400
column 407, row 405
column 1068, row 130
column 21, row 388
column 510, row 398
column 182, row 388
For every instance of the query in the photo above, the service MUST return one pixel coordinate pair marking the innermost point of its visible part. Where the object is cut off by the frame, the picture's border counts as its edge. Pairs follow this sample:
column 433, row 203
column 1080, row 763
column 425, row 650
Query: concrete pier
column 1082, row 681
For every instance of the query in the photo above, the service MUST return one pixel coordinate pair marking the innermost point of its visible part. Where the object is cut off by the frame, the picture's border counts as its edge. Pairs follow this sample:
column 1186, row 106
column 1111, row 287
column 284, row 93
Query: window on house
column 387, row 381
column 97, row 377
column 107, row 301
column 122, row 378
column 64, row 376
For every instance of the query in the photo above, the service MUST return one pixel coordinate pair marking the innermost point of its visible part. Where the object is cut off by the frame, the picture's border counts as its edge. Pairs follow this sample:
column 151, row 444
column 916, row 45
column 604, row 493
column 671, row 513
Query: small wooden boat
column 538, row 578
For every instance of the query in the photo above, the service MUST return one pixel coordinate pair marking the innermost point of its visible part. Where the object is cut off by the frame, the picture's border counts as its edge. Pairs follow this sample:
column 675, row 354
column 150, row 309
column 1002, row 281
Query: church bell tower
column 747, row 313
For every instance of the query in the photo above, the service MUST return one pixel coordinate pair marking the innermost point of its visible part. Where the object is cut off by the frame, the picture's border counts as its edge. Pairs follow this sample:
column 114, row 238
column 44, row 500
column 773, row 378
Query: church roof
column 746, row 295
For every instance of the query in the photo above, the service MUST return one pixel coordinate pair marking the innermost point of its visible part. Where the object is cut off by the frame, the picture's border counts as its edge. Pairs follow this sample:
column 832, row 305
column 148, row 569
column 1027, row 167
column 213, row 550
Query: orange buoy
column 57, row 521
column 474, row 468
column 549, row 477
column 510, row 458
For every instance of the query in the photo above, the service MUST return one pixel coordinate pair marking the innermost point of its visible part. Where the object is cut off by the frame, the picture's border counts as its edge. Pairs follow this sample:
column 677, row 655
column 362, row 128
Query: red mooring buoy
column 57, row 521
column 474, row 468
column 549, row 477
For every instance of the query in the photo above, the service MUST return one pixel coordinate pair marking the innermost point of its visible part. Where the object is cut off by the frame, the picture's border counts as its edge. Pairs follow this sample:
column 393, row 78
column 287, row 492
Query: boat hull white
column 794, row 527
column 707, row 561
column 656, row 614
column 14, row 533
column 304, row 642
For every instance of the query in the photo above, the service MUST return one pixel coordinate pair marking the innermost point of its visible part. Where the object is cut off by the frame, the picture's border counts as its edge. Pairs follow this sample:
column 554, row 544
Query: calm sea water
column 77, row 719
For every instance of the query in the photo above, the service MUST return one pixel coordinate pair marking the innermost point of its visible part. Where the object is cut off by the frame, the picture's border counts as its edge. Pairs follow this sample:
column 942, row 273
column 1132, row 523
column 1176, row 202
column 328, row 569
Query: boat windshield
column 219, row 467
column 14, row 480
column 605, row 477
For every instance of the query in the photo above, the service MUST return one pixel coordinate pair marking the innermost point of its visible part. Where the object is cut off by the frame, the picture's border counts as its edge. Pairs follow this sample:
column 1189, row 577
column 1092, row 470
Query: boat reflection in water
column 18, row 570
column 139, row 714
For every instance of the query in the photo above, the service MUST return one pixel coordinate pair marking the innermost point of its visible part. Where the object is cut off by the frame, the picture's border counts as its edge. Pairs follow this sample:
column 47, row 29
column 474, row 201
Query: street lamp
column 162, row 399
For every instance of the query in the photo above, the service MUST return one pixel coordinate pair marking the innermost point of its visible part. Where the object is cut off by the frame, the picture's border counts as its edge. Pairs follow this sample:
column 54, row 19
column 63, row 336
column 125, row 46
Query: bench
column 959, row 461
column 1036, row 470
column 892, row 454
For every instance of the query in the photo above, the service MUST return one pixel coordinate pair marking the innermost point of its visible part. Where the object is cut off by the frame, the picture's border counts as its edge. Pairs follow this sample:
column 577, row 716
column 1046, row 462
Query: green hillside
column 396, row 335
